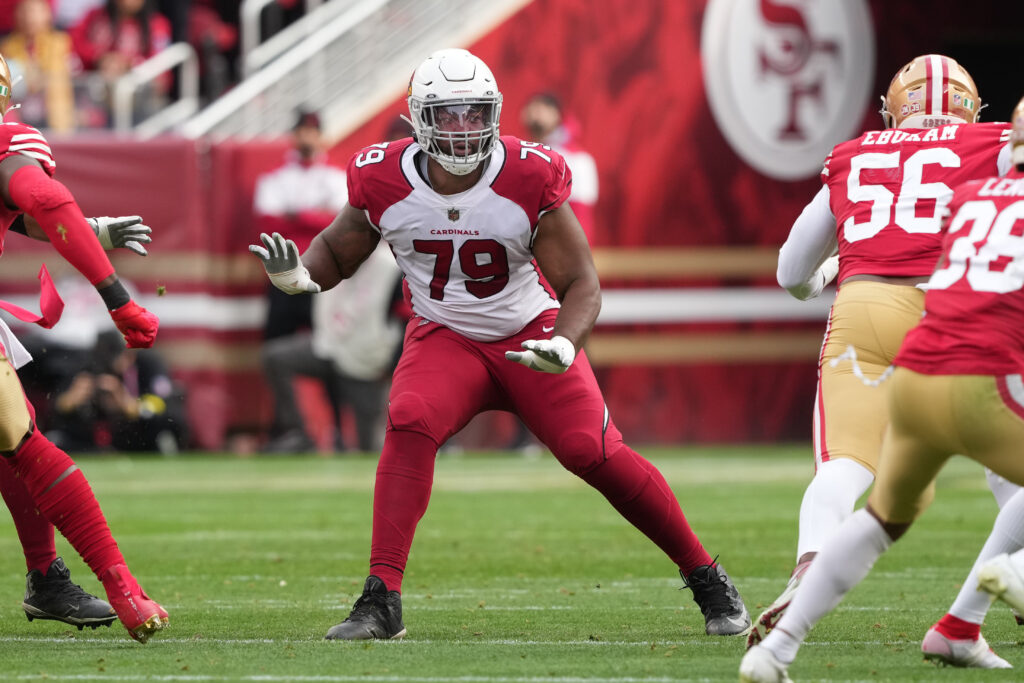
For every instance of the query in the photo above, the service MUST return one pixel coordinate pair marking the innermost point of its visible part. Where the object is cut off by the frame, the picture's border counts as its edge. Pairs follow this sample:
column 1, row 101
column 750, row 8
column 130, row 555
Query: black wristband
column 115, row 295
column 19, row 225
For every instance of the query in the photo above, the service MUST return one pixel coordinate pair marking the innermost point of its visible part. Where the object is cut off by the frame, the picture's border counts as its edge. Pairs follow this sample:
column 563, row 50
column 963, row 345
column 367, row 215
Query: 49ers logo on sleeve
column 786, row 80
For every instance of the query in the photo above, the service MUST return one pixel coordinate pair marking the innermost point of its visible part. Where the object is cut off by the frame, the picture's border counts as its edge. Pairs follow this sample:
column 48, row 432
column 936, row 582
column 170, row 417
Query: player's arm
column 333, row 255
column 26, row 187
column 113, row 233
column 807, row 260
column 341, row 247
column 564, row 257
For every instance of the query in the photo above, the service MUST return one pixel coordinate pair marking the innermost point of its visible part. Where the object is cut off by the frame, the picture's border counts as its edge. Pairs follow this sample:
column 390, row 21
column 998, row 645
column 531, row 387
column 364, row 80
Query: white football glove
column 281, row 260
column 818, row 280
column 553, row 355
column 122, row 231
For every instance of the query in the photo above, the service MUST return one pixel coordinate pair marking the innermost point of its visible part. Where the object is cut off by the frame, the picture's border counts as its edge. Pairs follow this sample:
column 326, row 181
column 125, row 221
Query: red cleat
column 140, row 615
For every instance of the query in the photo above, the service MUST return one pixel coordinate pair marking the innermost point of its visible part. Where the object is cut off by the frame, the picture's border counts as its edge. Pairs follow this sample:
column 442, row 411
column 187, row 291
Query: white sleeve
column 338, row 182
column 584, row 177
column 812, row 241
column 1003, row 162
column 269, row 197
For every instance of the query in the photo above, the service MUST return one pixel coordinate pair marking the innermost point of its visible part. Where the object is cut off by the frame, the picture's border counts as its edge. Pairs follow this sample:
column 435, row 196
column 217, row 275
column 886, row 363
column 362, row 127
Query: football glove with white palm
column 553, row 355
column 121, row 231
column 281, row 260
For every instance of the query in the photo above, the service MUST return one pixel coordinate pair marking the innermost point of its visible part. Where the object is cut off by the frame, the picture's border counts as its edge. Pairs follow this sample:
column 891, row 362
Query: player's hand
column 138, row 325
column 280, row 259
column 121, row 231
column 553, row 355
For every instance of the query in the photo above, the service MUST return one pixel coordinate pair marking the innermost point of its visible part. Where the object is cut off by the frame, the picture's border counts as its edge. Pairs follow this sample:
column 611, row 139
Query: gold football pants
column 933, row 417
column 14, row 416
column 866, row 327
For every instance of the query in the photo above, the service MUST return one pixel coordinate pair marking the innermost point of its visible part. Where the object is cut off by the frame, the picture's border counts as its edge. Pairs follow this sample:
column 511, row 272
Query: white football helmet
column 455, row 105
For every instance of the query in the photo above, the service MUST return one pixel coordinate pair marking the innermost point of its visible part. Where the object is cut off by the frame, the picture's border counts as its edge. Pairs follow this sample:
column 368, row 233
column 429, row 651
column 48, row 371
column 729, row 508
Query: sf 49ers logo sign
column 787, row 79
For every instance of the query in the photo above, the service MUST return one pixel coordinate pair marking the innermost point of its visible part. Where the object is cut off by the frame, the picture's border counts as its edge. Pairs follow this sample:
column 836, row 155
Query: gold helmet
column 1017, row 136
column 5, row 86
column 932, row 90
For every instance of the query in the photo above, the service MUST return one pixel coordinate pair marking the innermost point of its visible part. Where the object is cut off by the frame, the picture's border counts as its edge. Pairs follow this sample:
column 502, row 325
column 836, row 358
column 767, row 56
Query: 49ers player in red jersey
column 880, row 207
column 50, row 477
column 956, row 389
column 504, row 293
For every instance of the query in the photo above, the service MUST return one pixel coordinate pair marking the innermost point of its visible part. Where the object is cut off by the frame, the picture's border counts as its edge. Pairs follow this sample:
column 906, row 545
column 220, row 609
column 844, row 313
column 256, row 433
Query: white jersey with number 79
column 467, row 257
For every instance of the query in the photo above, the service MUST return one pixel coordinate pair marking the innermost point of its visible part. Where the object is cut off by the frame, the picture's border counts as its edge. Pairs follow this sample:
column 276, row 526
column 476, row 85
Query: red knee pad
column 408, row 412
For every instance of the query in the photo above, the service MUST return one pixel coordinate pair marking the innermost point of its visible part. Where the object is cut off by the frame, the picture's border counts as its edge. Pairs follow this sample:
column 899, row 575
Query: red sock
column 637, row 490
column 958, row 629
column 34, row 531
column 63, row 495
column 405, row 474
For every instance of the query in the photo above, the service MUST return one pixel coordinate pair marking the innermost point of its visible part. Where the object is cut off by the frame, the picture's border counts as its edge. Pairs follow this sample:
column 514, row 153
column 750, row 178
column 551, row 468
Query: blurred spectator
column 68, row 13
column 126, row 400
column 215, row 40
column 357, row 329
column 543, row 118
column 110, row 40
column 42, row 56
column 544, row 121
column 297, row 200
column 177, row 12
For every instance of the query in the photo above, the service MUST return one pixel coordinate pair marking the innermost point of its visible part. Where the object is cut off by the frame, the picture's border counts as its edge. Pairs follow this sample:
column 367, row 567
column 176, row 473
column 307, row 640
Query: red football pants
column 444, row 379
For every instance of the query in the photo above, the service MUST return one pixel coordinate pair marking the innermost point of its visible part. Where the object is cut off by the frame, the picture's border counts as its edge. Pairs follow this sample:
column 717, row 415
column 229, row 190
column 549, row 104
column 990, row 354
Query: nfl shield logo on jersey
column 453, row 215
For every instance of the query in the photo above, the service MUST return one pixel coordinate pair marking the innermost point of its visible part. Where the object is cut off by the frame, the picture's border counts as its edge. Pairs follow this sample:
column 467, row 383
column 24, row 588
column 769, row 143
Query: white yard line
column 368, row 678
column 475, row 642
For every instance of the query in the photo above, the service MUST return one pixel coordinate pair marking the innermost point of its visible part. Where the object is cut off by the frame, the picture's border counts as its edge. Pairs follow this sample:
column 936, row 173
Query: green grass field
column 519, row 572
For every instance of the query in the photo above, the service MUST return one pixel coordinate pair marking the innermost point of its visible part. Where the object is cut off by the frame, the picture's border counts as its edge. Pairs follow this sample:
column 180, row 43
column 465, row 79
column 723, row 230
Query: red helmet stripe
column 937, row 77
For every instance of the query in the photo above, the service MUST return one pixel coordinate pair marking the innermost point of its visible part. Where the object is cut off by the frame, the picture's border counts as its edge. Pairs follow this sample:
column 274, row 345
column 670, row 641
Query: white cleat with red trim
column 975, row 654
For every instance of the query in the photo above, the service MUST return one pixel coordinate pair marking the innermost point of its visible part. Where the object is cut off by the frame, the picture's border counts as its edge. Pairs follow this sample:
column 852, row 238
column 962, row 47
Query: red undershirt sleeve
column 53, row 207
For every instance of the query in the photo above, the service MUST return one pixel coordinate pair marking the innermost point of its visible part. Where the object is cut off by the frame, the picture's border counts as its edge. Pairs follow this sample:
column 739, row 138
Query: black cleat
column 55, row 597
column 718, row 599
column 377, row 614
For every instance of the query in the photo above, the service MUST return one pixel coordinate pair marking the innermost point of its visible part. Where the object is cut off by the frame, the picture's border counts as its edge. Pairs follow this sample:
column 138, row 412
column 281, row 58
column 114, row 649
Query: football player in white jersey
column 504, row 293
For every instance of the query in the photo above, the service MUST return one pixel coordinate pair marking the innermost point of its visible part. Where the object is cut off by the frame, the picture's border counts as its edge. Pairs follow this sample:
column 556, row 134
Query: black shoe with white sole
column 377, row 615
column 719, row 601
column 53, row 596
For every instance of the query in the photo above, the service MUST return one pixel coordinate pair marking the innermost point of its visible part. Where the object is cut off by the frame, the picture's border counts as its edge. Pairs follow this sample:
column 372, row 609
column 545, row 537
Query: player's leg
column 367, row 398
column 952, row 639
column 568, row 414
column 992, row 432
column 917, row 444
column 49, row 591
column 62, row 494
column 439, row 385
column 284, row 358
column 998, row 448
column 867, row 324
